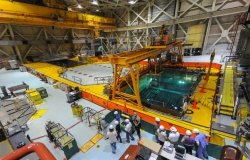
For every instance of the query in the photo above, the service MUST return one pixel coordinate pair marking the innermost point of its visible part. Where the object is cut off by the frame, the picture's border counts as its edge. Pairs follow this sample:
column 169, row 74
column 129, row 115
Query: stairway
column 228, row 95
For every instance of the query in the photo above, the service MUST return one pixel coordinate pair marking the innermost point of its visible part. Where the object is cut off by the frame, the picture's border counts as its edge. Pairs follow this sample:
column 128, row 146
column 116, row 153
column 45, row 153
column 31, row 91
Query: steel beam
column 182, row 29
column 119, row 18
column 162, row 11
column 139, row 15
column 16, row 49
column 5, row 53
column 3, row 32
column 30, row 47
column 196, row 3
column 47, row 39
column 209, row 24
column 220, row 13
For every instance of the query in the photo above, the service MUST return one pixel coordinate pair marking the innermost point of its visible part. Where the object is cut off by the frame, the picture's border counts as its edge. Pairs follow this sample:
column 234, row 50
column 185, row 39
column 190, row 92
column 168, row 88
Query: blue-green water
column 168, row 90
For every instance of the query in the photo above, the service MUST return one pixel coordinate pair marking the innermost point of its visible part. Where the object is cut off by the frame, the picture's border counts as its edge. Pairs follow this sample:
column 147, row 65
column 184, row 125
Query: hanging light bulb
column 79, row 6
column 132, row 2
column 94, row 2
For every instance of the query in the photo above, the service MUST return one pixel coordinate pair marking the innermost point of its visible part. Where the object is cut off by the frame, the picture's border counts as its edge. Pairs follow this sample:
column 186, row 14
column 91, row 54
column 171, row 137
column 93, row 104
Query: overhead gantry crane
column 27, row 14
column 129, row 61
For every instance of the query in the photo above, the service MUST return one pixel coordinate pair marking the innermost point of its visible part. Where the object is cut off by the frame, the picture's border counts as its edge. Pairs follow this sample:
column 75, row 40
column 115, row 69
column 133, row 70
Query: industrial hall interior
column 125, row 79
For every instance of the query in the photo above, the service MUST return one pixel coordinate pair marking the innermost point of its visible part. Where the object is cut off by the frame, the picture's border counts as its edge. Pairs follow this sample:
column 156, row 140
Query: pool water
column 168, row 90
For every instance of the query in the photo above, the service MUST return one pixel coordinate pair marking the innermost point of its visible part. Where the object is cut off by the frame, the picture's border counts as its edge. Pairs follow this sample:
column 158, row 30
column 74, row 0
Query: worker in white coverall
column 174, row 136
column 128, row 131
column 162, row 135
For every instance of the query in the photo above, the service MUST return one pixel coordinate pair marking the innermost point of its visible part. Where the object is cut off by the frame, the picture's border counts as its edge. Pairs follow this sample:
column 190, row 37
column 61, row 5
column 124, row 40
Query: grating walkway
column 227, row 102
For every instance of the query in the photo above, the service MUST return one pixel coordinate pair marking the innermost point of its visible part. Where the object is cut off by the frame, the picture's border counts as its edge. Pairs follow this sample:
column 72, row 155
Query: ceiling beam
column 220, row 13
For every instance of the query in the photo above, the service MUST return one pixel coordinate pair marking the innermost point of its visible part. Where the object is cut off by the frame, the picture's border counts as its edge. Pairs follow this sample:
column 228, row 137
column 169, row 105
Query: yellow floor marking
column 97, row 138
column 87, row 146
column 217, row 140
column 39, row 113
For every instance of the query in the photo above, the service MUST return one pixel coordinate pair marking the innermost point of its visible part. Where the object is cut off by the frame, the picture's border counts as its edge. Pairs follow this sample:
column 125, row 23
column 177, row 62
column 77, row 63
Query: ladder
column 239, row 20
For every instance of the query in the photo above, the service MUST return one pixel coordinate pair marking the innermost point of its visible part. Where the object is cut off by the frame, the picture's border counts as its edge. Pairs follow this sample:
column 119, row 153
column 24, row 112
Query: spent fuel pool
column 168, row 90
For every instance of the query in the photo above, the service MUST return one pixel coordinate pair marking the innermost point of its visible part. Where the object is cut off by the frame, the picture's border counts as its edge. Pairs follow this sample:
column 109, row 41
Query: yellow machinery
column 130, row 61
column 28, row 14
column 77, row 109
column 34, row 96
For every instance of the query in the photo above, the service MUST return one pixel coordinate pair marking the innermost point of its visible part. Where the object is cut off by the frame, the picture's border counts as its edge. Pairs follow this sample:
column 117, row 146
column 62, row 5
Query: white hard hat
column 102, row 117
column 173, row 129
column 116, row 112
column 116, row 122
column 157, row 119
column 127, row 120
column 111, row 127
column 196, row 130
column 188, row 133
column 162, row 127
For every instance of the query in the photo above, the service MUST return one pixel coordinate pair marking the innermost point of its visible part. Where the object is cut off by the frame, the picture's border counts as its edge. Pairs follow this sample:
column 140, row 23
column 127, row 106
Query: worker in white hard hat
column 173, row 136
column 117, row 116
column 118, row 131
column 156, row 126
column 162, row 135
column 201, row 142
column 112, row 138
column 104, row 126
column 128, row 131
column 188, row 142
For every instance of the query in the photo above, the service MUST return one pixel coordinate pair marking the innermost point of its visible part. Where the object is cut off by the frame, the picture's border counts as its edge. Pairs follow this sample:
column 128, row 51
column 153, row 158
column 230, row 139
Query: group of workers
column 112, row 132
column 199, row 142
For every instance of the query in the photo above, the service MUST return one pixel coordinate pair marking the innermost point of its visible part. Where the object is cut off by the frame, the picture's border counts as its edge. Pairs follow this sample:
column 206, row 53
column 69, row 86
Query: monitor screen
column 180, row 150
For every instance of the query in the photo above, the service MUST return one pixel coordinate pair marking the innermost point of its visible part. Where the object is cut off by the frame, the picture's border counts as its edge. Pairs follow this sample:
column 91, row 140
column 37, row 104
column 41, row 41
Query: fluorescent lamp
column 132, row 2
column 79, row 6
column 94, row 2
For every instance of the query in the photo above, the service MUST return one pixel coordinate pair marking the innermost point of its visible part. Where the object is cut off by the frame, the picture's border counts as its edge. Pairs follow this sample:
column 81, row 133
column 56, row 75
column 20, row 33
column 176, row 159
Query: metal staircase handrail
column 105, row 79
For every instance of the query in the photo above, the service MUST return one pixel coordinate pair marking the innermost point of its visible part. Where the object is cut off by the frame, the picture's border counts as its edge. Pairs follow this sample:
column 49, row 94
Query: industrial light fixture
column 94, row 2
column 132, row 2
column 79, row 6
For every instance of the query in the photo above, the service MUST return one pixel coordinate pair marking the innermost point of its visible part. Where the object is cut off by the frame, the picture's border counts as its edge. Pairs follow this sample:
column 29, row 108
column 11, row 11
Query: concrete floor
column 5, row 148
column 59, row 111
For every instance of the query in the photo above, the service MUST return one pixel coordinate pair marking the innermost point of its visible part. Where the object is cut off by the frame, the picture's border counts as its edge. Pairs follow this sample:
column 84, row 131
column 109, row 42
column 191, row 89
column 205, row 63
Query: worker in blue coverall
column 202, row 143
column 117, row 116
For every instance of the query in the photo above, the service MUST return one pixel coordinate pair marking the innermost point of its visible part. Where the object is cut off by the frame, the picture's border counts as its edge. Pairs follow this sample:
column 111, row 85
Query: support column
column 135, row 74
column 174, row 27
column 208, row 28
column 115, row 81
column 128, row 33
column 150, row 3
column 16, row 49
column 47, row 39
